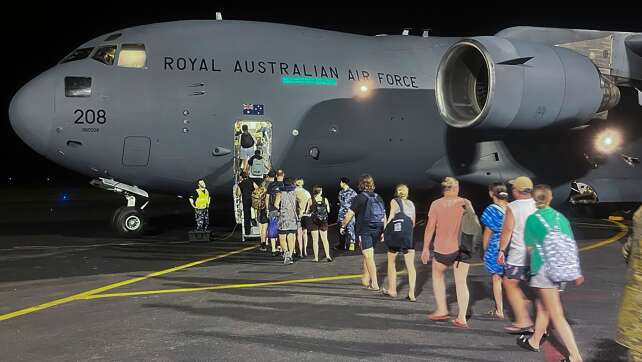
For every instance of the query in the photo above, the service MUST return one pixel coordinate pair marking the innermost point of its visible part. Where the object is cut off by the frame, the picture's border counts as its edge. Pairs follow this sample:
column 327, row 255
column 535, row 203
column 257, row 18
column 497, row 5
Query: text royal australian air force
column 281, row 68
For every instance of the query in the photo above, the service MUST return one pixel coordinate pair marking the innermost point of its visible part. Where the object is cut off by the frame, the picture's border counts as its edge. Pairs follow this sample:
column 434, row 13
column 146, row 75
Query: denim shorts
column 369, row 238
column 517, row 272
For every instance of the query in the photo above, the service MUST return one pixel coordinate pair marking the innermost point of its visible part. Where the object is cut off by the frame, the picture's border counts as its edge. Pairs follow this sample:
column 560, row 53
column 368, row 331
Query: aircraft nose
column 31, row 112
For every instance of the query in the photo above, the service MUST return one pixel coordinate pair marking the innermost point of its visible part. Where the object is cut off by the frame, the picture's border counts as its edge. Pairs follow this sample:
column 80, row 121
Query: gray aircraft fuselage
column 168, row 124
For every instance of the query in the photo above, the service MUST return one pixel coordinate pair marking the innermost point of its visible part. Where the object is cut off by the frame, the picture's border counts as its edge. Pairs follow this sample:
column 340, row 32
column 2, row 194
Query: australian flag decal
column 253, row 109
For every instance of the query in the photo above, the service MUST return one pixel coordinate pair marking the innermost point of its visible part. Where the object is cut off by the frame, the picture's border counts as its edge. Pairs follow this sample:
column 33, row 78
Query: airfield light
column 363, row 89
column 608, row 141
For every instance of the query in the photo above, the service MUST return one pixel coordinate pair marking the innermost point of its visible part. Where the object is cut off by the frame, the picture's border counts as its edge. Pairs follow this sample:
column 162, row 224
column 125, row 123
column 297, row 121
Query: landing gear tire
column 128, row 221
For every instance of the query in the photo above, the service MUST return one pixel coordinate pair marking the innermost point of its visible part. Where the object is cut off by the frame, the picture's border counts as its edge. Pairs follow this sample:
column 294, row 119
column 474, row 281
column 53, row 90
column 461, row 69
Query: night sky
column 36, row 37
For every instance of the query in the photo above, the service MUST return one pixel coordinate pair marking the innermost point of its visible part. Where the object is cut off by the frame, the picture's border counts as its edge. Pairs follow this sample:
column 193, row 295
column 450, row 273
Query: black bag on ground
column 398, row 233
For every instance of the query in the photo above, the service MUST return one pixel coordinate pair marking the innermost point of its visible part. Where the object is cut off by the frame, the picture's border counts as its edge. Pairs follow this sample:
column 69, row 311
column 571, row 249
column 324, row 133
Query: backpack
column 258, row 198
column 247, row 140
column 398, row 233
column 561, row 260
column 258, row 168
column 375, row 210
column 319, row 211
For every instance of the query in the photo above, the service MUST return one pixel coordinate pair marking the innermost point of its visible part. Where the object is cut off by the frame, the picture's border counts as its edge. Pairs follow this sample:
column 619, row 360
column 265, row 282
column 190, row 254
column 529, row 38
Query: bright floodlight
column 608, row 141
column 364, row 88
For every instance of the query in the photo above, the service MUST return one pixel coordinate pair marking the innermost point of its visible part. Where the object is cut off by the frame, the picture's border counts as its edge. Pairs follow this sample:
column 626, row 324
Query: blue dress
column 493, row 218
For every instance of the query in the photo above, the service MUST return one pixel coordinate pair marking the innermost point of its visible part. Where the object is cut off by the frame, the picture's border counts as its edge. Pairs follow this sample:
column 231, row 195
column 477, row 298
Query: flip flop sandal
column 411, row 299
column 437, row 318
column 369, row 287
column 385, row 292
column 524, row 343
column 460, row 324
column 519, row 330
column 493, row 314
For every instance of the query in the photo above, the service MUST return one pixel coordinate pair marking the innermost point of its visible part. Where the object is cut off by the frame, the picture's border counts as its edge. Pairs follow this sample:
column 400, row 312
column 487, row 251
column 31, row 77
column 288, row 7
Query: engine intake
column 492, row 82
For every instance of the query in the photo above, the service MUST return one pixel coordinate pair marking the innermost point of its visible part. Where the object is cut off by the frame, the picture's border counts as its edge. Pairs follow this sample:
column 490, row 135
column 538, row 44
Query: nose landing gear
column 128, row 220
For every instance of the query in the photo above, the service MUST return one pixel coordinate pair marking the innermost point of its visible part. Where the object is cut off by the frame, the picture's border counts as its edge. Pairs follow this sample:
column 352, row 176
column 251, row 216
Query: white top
column 521, row 210
column 408, row 208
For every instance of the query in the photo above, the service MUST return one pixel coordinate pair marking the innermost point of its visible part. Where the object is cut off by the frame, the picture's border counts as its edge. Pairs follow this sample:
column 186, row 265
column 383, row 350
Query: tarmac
column 71, row 291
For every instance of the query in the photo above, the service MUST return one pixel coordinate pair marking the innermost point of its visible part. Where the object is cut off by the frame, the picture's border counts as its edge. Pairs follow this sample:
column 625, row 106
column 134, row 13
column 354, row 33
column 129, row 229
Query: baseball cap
column 522, row 183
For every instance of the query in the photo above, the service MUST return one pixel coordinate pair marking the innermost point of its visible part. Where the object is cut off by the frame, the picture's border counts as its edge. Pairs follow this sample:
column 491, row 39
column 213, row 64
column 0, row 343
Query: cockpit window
column 77, row 54
column 132, row 56
column 105, row 54
column 77, row 86
column 113, row 37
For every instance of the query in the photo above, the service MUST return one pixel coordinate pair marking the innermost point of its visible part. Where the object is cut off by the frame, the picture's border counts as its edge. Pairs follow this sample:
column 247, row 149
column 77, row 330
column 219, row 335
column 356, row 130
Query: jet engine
column 496, row 83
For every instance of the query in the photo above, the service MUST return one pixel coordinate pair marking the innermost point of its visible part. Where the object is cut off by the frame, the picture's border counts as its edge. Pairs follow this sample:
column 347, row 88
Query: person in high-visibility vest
column 200, row 201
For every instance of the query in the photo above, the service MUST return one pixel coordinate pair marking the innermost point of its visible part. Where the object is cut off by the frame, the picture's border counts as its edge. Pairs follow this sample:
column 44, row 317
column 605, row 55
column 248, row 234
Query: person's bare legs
column 517, row 301
column 409, row 258
column 291, row 242
column 541, row 323
column 460, row 270
column 439, row 288
column 371, row 267
column 315, row 244
column 305, row 242
column 365, row 277
column 553, row 305
column 263, row 233
column 273, row 243
column 497, row 293
column 299, row 239
column 326, row 244
column 283, row 242
column 392, row 274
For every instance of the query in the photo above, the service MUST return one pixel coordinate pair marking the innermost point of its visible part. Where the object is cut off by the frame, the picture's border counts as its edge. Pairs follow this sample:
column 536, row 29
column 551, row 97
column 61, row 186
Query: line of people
column 526, row 243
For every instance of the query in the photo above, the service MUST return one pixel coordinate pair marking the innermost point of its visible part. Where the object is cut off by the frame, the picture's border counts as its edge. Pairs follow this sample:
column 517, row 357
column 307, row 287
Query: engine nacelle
column 492, row 82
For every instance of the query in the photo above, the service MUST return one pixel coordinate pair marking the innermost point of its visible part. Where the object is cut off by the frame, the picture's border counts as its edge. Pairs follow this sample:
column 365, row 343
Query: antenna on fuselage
column 219, row 16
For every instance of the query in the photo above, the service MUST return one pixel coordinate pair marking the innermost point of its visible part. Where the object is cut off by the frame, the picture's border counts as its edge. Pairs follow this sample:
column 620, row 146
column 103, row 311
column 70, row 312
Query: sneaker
column 351, row 248
column 262, row 247
column 275, row 253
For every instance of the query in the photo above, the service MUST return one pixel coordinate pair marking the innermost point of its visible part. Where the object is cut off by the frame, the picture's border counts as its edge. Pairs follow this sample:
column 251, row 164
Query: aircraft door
column 261, row 132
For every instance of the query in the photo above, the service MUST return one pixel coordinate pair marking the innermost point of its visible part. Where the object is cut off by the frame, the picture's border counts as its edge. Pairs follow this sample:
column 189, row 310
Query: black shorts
column 397, row 250
column 306, row 222
column 287, row 232
column 263, row 218
column 452, row 258
column 318, row 225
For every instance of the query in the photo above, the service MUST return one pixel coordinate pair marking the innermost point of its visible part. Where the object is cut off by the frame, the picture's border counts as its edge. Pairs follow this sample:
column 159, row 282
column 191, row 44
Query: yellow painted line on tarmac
column 83, row 295
column 224, row 286
column 623, row 232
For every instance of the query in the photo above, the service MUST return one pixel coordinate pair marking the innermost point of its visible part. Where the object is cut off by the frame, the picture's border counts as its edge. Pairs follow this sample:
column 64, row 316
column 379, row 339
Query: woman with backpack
column 318, row 208
column 398, row 237
column 554, row 260
column 493, row 219
column 369, row 213
column 445, row 222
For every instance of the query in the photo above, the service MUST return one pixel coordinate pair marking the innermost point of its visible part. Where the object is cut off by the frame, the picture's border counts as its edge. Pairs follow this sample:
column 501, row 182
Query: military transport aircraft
column 157, row 107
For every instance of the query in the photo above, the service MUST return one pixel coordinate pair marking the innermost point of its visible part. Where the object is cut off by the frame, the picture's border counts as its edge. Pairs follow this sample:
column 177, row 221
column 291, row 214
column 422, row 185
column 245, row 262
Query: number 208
column 90, row 116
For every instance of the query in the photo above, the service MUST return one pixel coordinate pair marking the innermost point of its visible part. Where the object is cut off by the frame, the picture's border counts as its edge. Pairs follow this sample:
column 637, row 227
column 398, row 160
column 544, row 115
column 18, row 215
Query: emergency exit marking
column 307, row 81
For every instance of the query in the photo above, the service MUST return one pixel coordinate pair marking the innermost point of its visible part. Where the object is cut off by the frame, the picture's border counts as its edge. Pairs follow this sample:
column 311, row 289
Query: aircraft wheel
column 128, row 221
